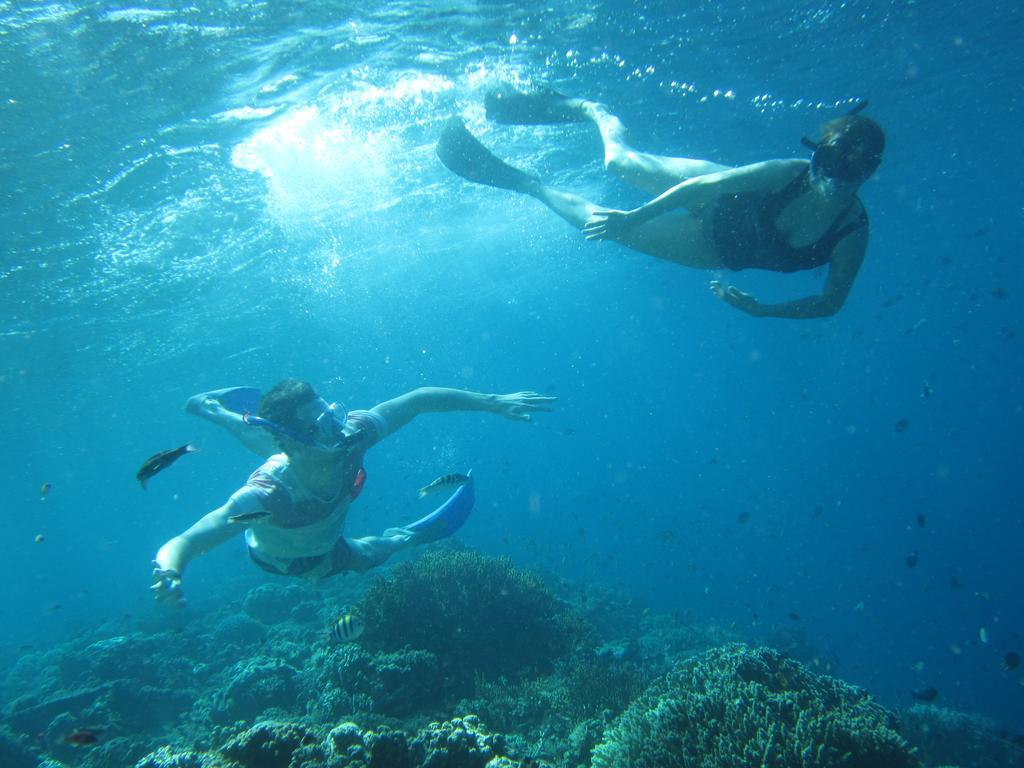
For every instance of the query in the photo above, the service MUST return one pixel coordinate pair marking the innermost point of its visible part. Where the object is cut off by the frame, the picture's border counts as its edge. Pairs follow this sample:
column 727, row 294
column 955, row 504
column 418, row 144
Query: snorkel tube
column 856, row 109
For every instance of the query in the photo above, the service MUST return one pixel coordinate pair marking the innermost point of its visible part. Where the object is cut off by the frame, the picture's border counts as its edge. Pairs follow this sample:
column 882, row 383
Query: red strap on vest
column 358, row 483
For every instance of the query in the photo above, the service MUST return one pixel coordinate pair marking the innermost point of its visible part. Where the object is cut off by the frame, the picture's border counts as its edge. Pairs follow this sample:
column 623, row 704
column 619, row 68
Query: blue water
column 204, row 194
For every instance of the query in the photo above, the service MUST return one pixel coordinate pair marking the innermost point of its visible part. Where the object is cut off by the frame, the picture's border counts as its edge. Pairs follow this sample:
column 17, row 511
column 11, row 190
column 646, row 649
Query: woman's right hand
column 608, row 224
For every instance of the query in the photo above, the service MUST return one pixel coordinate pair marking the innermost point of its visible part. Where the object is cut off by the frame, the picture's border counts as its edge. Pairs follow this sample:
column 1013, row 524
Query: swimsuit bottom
column 314, row 567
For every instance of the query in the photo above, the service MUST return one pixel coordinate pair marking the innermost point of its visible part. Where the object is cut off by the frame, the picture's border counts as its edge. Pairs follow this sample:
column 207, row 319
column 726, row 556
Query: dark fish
column 818, row 511
column 44, row 489
column 347, row 628
column 742, row 517
column 924, row 694
column 793, row 616
column 912, row 559
column 920, row 520
column 248, row 517
column 901, row 425
column 1011, row 661
column 161, row 461
column 955, row 583
column 82, row 737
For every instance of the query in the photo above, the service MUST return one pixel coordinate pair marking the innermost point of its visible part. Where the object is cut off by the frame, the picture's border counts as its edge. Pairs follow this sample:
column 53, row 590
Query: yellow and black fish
column 161, row 461
column 347, row 628
column 44, row 490
column 444, row 482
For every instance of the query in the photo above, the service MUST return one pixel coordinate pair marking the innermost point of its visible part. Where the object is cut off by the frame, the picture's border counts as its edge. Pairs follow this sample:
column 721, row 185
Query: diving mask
column 836, row 160
column 326, row 430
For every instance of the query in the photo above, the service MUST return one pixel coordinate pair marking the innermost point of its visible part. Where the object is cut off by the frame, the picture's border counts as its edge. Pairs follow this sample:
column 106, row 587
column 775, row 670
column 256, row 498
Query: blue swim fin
column 446, row 519
column 238, row 399
column 241, row 399
column 225, row 407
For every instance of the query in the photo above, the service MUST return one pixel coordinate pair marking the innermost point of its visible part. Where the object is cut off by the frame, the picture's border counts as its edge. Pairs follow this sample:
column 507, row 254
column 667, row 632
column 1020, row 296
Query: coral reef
column 268, row 744
column 735, row 706
column 238, row 630
column 451, row 632
column 166, row 757
column 33, row 712
column 254, row 686
column 476, row 614
column 593, row 684
column 457, row 743
column 341, row 681
column 274, row 602
column 582, row 687
column 960, row 738
column 14, row 754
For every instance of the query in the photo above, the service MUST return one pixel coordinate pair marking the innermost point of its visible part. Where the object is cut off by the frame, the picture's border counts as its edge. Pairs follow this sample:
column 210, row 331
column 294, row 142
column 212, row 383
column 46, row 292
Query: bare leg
column 677, row 237
column 574, row 209
column 651, row 173
column 370, row 551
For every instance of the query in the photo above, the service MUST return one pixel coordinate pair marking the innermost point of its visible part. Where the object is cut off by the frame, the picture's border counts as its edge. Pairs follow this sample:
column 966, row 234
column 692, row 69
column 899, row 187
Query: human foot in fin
column 541, row 107
column 443, row 521
column 463, row 155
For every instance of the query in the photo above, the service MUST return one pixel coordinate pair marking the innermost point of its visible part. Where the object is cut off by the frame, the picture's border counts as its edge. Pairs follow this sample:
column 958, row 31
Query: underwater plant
column 734, row 706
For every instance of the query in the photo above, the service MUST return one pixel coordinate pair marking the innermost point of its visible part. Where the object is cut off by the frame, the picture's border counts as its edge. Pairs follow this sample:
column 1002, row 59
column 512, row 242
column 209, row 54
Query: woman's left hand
column 733, row 296
column 607, row 224
column 519, row 405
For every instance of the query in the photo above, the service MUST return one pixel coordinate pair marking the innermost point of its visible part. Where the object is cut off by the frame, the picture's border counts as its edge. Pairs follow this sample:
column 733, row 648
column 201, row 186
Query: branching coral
column 734, row 707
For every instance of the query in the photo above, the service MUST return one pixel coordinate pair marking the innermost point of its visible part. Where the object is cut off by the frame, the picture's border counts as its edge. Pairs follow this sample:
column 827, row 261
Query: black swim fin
column 541, row 107
column 462, row 154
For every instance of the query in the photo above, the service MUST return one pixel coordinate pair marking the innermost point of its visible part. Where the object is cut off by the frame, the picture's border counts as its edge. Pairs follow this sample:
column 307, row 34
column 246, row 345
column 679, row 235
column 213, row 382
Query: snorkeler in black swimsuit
column 746, row 237
column 779, row 215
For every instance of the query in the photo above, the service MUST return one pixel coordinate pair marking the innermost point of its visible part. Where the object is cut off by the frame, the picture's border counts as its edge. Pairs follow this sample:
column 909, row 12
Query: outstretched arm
column 846, row 260
column 694, row 193
column 210, row 531
column 404, row 408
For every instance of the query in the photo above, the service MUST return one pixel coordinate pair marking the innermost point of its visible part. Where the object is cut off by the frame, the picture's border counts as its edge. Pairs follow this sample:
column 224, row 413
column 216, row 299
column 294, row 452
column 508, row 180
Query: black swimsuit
column 745, row 235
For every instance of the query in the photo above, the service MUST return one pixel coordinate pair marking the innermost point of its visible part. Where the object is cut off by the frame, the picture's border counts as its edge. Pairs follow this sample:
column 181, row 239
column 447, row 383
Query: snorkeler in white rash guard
column 293, row 508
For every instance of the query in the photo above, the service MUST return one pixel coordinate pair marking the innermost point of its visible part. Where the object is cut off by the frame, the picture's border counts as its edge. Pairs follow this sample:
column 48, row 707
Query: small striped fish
column 248, row 517
column 444, row 482
column 347, row 628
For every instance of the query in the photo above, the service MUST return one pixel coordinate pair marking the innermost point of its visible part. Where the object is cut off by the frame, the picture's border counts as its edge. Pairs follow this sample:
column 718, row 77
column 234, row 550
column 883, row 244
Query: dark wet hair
column 862, row 141
column 282, row 402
